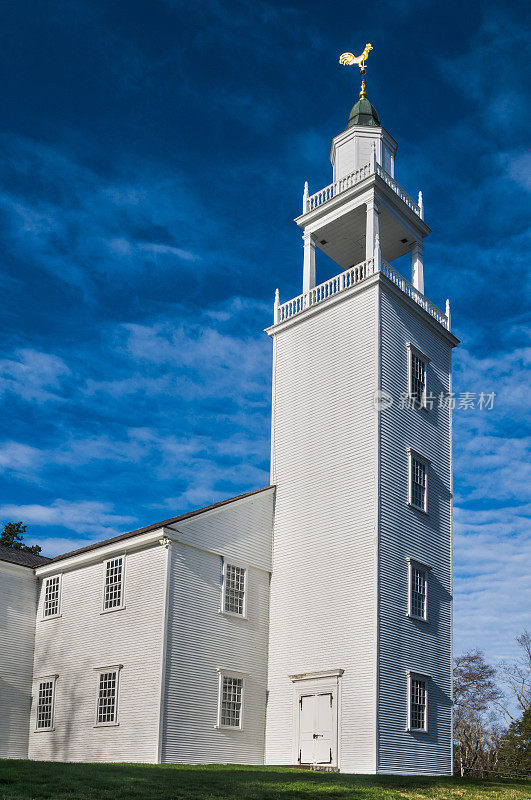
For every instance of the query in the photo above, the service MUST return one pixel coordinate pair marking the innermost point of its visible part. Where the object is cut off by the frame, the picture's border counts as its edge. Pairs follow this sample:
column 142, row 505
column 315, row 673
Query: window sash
column 231, row 701
column 52, row 596
column 107, row 705
column 45, row 702
column 114, row 579
column 234, row 589
column 418, row 483
column 418, row 595
column 418, row 704
column 418, row 369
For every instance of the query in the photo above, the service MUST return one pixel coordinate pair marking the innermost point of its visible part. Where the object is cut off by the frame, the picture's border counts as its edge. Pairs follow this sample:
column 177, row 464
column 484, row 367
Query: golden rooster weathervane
column 350, row 58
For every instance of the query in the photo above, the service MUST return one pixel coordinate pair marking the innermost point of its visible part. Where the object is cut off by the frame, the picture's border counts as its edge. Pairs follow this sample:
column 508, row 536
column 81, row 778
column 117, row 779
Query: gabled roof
column 21, row 557
column 164, row 523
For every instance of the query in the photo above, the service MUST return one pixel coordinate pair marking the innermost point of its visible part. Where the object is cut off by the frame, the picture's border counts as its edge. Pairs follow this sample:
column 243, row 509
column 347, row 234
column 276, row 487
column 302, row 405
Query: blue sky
column 152, row 158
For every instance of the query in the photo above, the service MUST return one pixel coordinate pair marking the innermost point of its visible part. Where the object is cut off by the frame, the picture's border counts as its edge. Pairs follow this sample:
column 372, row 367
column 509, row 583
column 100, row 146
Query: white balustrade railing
column 323, row 195
column 414, row 294
column 329, row 288
column 398, row 189
column 313, row 201
column 351, row 277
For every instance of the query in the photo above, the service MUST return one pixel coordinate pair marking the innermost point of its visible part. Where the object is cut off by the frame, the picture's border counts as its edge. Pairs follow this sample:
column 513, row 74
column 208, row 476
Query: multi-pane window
column 44, row 719
column 418, row 379
column 234, row 590
column 114, row 574
column 418, row 481
column 52, row 590
column 418, row 581
column 230, row 713
column 418, row 717
column 107, row 698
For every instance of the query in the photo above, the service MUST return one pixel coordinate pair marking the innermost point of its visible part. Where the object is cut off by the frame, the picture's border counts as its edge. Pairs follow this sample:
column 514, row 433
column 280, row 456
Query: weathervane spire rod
column 350, row 58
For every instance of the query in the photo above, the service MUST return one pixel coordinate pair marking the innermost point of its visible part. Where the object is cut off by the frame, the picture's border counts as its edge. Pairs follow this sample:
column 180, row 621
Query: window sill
column 228, row 728
column 417, row 730
column 110, row 610
column 232, row 614
column 106, row 725
column 43, row 730
column 51, row 616
column 417, row 508
column 419, row 619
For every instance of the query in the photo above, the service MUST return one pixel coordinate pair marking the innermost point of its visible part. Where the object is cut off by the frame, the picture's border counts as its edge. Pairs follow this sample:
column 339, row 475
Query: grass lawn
column 41, row 779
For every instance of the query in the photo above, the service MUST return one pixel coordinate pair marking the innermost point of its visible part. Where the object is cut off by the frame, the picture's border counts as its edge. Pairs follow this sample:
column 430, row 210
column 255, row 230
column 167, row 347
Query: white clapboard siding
column 201, row 640
column 18, row 589
column 323, row 608
column 83, row 639
column 406, row 643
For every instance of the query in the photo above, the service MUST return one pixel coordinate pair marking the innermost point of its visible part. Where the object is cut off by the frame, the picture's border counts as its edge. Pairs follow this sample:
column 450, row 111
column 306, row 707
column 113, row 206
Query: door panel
column 307, row 717
column 323, row 728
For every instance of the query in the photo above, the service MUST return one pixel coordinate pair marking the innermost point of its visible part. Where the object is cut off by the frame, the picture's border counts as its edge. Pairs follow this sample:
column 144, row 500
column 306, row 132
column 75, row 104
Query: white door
column 316, row 728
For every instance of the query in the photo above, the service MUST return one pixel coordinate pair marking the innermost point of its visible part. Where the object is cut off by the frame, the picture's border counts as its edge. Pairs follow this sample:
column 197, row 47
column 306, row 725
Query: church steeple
column 364, row 217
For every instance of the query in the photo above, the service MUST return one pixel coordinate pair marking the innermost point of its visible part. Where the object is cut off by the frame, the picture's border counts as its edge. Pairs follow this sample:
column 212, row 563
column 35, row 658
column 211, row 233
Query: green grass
column 22, row 780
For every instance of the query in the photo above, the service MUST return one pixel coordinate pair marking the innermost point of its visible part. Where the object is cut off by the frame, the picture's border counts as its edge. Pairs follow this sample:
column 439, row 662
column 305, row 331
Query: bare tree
column 475, row 730
column 516, row 678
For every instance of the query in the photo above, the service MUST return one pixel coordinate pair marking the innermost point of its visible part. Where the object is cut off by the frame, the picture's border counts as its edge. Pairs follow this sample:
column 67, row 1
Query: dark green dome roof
column 363, row 113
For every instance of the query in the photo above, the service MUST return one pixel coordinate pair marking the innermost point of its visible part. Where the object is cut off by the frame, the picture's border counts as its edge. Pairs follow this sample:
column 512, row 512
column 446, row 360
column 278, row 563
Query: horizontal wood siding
column 18, row 592
column 83, row 639
column 406, row 643
column 202, row 640
column 323, row 604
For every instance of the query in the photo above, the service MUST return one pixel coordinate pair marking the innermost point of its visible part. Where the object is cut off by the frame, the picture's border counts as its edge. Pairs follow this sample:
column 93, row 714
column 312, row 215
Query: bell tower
column 360, row 663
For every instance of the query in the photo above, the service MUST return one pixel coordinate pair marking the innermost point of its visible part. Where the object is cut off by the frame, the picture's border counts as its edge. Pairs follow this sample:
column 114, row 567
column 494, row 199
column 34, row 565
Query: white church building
column 305, row 623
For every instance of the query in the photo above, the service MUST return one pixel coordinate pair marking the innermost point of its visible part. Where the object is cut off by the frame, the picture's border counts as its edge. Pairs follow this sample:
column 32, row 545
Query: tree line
column 492, row 713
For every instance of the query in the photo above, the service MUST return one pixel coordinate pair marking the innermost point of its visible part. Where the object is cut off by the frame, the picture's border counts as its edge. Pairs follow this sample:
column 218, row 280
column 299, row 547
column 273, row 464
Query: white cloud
column 85, row 516
column 32, row 375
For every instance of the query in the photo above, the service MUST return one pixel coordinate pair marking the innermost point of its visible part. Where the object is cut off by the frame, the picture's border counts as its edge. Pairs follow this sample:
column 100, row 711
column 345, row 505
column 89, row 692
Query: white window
column 418, row 371
column 418, row 591
column 418, row 702
column 234, row 590
column 114, row 584
column 418, row 481
column 230, row 706
column 107, row 703
column 52, row 596
column 45, row 704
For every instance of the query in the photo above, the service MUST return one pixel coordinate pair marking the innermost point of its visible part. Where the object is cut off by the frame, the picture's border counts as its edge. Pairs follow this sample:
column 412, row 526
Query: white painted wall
column 352, row 149
column 323, row 588
column 83, row 639
column 202, row 640
column 406, row 643
column 18, row 595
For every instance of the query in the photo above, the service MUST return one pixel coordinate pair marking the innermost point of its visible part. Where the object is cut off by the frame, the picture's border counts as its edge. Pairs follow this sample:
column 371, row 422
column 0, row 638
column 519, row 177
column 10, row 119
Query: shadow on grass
column 39, row 780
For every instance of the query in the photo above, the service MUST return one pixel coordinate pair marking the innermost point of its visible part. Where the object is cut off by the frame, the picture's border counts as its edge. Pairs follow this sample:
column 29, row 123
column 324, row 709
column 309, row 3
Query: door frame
column 321, row 682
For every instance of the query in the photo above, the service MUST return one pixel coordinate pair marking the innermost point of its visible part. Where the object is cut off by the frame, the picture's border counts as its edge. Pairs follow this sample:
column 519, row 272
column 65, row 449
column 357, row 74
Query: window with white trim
column 107, row 705
column 45, row 704
column 418, row 591
column 114, row 583
column 418, row 703
column 230, row 701
column 234, row 585
column 52, row 596
column 418, row 481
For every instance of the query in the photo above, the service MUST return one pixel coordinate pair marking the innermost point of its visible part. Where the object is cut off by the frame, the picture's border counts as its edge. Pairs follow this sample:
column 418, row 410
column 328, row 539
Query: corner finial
column 350, row 58
column 448, row 314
